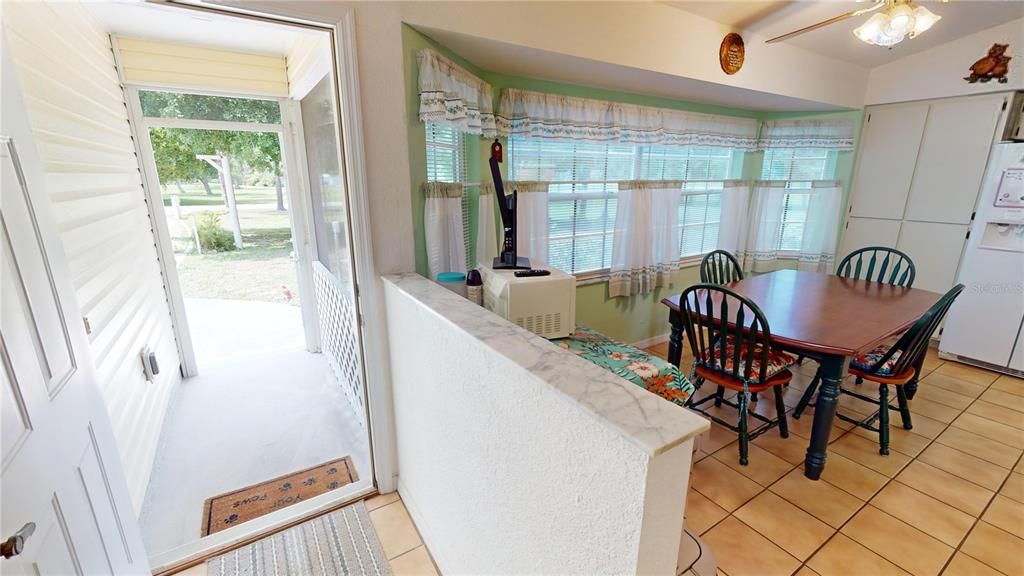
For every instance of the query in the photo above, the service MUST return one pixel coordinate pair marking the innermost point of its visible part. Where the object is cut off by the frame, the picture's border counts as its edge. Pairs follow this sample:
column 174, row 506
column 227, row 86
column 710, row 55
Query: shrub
column 213, row 236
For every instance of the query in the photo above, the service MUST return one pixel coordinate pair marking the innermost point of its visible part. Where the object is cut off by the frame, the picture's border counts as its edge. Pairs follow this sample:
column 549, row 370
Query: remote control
column 532, row 273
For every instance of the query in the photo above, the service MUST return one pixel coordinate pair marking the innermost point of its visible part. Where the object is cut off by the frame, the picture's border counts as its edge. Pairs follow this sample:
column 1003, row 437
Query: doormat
column 232, row 508
column 341, row 543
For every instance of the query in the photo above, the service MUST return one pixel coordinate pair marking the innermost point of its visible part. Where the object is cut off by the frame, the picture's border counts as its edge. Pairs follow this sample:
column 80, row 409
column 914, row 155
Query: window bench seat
column 641, row 368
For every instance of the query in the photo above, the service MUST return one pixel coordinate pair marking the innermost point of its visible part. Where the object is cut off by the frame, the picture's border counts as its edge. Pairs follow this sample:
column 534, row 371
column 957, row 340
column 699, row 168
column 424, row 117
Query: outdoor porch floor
column 243, row 422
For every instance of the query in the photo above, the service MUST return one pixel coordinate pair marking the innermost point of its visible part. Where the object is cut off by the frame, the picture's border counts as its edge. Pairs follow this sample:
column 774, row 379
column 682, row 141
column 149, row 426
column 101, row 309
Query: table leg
column 675, row 338
column 832, row 370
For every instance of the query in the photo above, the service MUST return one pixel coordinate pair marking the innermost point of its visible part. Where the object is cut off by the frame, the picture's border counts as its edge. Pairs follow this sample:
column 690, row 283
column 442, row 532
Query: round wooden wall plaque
column 731, row 53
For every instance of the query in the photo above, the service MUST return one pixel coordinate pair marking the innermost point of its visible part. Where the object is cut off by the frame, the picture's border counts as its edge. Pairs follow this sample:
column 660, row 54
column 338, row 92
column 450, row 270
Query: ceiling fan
column 893, row 21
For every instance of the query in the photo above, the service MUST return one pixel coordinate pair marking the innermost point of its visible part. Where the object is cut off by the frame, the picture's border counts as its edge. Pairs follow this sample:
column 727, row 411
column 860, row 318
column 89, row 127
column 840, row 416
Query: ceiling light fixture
column 898, row 21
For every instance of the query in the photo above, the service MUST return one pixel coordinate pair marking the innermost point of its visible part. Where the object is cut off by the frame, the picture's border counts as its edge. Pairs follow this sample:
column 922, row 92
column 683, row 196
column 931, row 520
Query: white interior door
column 951, row 161
column 861, row 232
column 885, row 167
column 61, row 473
column 935, row 249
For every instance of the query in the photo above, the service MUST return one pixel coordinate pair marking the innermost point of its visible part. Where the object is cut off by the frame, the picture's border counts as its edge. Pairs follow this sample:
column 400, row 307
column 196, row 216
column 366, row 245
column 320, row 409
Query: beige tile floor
column 398, row 537
column 949, row 499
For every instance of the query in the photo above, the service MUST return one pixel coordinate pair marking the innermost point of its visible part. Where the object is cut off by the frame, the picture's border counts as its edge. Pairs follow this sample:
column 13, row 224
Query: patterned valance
column 521, row 186
column 552, row 116
column 829, row 134
column 452, row 96
column 442, row 189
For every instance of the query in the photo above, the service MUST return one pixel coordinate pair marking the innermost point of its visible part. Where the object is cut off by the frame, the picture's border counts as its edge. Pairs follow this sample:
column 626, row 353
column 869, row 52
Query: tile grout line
column 978, row 519
column 893, row 478
column 865, row 502
column 868, row 502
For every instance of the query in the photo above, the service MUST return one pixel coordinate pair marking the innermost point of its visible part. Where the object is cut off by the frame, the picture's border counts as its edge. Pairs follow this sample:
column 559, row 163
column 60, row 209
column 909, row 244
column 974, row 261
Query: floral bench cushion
column 866, row 362
column 639, row 367
column 777, row 360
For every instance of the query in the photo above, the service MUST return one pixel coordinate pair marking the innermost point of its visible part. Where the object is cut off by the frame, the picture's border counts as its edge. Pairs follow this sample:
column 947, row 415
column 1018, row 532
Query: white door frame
column 369, row 289
column 298, row 202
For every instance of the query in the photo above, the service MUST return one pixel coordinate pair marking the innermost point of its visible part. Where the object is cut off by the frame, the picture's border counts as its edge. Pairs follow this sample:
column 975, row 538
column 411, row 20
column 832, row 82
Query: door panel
column 47, row 325
column 935, row 249
column 885, row 167
column 861, row 232
column 14, row 414
column 951, row 162
column 61, row 470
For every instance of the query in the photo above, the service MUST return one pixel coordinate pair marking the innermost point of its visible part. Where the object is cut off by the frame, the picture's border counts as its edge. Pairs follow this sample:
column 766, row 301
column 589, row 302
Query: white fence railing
column 339, row 340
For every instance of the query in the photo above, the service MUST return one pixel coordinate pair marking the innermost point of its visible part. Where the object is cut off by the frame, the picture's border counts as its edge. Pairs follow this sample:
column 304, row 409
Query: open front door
column 65, row 501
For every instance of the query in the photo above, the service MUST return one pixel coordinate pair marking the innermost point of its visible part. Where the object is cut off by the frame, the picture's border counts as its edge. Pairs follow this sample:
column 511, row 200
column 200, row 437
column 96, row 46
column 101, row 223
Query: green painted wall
column 628, row 319
column 412, row 43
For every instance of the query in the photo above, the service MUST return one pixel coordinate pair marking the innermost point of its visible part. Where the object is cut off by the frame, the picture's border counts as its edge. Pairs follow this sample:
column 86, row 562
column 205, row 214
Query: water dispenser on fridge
column 985, row 325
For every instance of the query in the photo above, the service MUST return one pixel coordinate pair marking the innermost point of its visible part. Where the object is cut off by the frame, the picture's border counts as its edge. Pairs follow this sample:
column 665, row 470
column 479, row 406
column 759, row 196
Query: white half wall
column 79, row 120
column 939, row 72
column 517, row 457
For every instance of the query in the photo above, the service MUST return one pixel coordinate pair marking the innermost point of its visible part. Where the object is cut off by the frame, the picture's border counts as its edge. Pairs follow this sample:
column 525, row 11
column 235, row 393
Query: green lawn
column 195, row 195
column 261, row 270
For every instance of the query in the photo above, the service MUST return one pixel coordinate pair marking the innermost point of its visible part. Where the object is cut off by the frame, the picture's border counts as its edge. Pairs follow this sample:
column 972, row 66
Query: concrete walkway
column 231, row 330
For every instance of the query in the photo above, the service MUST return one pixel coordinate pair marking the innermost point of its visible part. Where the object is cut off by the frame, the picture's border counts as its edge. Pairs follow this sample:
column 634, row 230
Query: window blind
column 798, row 167
column 584, row 182
column 446, row 156
column 581, row 195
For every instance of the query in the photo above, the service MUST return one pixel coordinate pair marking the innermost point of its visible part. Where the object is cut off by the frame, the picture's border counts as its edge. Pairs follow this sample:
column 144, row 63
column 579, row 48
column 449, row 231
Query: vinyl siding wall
column 77, row 111
column 308, row 61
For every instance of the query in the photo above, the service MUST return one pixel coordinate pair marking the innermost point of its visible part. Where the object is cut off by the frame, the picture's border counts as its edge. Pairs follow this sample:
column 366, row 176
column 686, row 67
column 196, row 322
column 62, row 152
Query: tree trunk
column 206, row 186
column 280, row 193
column 181, row 190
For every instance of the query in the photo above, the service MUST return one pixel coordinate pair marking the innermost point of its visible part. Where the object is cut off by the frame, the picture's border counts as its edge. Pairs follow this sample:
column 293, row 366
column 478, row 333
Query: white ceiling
column 770, row 18
column 176, row 24
column 494, row 56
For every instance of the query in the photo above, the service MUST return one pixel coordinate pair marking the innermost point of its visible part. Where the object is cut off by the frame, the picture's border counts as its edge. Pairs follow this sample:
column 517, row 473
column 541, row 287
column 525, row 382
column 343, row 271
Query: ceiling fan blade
column 878, row 4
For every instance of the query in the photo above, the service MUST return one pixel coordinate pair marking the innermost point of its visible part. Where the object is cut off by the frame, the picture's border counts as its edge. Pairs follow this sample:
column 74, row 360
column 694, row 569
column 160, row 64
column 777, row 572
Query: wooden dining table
column 827, row 318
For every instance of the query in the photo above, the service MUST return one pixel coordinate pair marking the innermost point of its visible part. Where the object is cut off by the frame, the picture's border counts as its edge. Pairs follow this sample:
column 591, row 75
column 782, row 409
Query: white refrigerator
column 984, row 326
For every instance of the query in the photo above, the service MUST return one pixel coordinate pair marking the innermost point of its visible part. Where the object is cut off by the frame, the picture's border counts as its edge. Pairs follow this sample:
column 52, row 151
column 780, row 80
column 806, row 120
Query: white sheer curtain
column 763, row 233
column 645, row 241
column 818, row 226
column 531, row 219
column 821, row 230
column 486, row 234
column 733, row 223
column 831, row 134
column 553, row 116
column 443, row 226
column 452, row 96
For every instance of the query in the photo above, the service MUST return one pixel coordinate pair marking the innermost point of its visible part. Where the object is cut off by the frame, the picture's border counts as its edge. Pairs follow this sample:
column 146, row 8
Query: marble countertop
column 647, row 420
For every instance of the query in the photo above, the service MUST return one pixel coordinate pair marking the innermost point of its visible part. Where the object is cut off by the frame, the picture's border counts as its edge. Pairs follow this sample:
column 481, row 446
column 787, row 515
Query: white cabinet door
column 885, row 166
column 861, row 232
column 951, row 161
column 935, row 249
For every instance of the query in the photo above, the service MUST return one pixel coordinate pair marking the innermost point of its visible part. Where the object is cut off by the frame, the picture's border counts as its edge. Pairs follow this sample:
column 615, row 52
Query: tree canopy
column 175, row 149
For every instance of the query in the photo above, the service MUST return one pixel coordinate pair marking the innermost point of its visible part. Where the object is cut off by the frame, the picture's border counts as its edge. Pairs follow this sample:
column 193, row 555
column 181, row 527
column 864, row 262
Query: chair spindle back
column 720, row 267
column 914, row 341
column 708, row 311
column 878, row 264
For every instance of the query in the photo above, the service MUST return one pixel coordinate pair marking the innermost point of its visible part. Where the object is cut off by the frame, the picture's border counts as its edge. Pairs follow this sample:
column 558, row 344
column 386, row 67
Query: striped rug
column 342, row 543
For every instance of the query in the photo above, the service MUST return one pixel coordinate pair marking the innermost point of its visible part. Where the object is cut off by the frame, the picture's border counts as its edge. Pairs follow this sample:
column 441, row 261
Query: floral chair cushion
column 639, row 367
column 866, row 362
column 777, row 360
